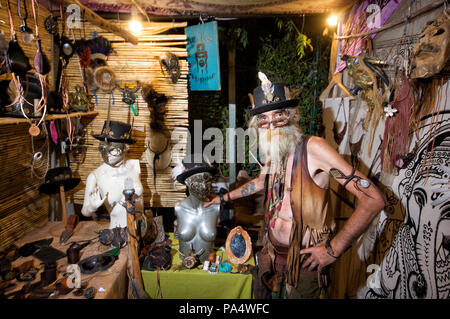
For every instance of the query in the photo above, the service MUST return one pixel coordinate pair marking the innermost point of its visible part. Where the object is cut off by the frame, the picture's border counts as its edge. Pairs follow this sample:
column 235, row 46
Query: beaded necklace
column 276, row 192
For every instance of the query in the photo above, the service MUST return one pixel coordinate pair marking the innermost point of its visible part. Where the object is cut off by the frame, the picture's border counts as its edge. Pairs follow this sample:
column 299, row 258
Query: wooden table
column 109, row 284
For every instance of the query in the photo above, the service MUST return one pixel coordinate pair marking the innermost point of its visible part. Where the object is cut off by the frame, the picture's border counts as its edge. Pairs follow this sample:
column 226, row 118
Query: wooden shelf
column 14, row 120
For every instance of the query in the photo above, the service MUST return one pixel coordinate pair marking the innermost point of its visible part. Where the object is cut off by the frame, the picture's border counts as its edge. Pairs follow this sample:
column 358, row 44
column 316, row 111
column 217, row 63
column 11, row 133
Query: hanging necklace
column 276, row 192
column 338, row 137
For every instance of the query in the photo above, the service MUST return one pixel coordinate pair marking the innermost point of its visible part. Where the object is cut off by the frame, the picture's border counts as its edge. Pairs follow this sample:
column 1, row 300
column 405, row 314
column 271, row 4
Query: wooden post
column 63, row 204
column 232, row 108
column 97, row 20
column 134, row 269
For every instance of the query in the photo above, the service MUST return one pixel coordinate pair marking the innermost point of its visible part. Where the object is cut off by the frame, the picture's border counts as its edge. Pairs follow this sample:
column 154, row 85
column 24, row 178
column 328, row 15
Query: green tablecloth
column 197, row 283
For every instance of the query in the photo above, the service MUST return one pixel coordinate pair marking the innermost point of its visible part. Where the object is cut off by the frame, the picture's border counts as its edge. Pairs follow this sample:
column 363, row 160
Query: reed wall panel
column 130, row 63
column 22, row 208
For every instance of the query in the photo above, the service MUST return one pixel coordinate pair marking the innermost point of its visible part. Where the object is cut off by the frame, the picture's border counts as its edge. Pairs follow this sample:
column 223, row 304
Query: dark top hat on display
column 270, row 96
column 56, row 177
column 191, row 167
column 116, row 131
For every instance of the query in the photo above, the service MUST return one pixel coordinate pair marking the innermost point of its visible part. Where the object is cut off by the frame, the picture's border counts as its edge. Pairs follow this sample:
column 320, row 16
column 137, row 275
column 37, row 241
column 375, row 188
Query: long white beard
column 276, row 144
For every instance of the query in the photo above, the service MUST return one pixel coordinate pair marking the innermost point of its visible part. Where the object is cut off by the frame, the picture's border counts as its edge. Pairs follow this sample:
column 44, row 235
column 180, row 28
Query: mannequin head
column 113, row 153
column 199, row 185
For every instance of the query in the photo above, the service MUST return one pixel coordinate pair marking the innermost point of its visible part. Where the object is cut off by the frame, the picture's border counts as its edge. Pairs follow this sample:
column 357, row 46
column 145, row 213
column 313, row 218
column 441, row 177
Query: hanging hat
column 56, row 177
column 190, row 167
column 118, row 132
column 270, row 96
column 158, row 152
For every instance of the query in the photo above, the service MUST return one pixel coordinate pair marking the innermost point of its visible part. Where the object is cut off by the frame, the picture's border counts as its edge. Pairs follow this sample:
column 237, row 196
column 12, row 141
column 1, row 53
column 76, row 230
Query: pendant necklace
column 276, row 192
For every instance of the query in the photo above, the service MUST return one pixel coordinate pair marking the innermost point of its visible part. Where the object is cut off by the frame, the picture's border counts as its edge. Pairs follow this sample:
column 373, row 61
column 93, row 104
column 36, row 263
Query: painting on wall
column 417, row 264
column 203, row 57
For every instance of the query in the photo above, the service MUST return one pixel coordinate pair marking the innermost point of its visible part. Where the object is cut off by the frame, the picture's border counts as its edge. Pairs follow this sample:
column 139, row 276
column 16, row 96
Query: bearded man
column 299, row 242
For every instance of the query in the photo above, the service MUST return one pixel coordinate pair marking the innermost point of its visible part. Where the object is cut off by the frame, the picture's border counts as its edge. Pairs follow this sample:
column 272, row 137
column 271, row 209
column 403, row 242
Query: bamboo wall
column 139, row 62
column 21, row 205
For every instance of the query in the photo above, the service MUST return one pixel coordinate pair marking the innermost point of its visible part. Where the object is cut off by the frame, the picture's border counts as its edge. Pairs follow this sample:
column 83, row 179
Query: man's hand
column 215, row 200
column 318, row 257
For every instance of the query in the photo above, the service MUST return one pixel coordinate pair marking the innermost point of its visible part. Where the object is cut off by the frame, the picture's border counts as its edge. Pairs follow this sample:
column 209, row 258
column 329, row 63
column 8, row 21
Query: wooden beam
column 97, row 20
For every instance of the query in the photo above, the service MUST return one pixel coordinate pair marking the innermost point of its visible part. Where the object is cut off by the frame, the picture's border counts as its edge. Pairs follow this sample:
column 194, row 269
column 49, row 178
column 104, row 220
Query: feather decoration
column 266, row 85
column 177, row 170
column 98, row 46
column 85, row 57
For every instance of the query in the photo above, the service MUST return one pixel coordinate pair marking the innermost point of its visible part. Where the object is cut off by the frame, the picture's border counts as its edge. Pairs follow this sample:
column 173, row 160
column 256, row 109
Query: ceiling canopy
column 218, row 7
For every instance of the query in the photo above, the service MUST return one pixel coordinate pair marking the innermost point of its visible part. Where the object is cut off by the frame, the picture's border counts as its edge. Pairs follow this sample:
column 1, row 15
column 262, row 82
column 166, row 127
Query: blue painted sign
column 203, row 57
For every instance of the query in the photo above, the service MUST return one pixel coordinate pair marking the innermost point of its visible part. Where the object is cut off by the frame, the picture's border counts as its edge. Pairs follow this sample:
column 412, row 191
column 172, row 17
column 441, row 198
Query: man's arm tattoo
column 248, row 189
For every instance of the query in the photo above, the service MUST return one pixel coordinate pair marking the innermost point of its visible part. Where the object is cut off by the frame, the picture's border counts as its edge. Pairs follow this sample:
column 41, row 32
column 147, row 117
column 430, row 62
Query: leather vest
column 309, row 204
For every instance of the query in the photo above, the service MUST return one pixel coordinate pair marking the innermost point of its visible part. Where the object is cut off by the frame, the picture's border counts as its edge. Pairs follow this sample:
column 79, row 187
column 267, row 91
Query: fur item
column 90, row 80
column 154, row 99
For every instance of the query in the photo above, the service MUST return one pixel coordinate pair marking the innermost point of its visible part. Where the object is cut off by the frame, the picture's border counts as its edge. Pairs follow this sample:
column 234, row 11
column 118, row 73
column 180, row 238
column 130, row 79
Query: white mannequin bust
column 106, row 183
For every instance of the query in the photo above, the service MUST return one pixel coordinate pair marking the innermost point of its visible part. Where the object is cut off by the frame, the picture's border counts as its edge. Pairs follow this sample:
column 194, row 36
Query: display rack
column 49, row 117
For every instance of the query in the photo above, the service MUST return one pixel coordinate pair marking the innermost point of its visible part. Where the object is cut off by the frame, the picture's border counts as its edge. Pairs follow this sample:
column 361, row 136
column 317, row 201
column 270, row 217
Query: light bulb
column 135, row 27
column 332, row 20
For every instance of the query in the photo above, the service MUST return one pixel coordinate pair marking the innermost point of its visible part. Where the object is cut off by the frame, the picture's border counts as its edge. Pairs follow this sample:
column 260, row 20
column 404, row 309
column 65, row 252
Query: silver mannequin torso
column 196, row 226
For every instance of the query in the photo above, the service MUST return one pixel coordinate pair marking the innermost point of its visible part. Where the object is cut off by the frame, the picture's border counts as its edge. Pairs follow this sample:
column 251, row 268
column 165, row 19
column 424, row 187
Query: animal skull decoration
column 433, row 48
column 171, row 64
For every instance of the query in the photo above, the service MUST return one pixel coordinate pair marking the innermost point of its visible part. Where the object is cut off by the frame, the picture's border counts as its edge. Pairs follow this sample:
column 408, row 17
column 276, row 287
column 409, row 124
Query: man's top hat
column 191, row 167
column 116, row 131
column 56, row 177
column 270, row 96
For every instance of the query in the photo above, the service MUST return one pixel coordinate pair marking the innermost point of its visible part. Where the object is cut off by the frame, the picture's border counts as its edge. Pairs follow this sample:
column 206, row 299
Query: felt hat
column 56, row 177
column 270, row 96
column 192, row 167
column 117, row 131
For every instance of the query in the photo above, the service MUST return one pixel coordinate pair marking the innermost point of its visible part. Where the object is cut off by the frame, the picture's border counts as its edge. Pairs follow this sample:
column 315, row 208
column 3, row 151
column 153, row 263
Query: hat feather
column 266, row 85
column 177, row 170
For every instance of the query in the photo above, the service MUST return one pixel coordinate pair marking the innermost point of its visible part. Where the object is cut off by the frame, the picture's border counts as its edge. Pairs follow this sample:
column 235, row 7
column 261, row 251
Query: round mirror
column 238, row 246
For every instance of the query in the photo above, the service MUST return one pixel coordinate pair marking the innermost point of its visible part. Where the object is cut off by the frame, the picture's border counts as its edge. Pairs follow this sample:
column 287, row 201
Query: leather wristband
column 330, row 249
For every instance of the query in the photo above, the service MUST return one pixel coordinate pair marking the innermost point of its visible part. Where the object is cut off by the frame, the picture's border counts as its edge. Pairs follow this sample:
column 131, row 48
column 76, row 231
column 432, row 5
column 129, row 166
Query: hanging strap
column 35, row 19
column 11, row 23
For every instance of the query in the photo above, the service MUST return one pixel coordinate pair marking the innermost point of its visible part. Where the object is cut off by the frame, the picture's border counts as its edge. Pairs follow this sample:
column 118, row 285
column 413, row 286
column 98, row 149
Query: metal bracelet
column 330, row 249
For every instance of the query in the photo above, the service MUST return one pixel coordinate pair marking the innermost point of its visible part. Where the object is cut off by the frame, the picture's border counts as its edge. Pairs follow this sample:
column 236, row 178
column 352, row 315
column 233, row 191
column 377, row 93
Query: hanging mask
column 171, row 65
column 51, row 25
column 128, row 93
column 432, row 51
